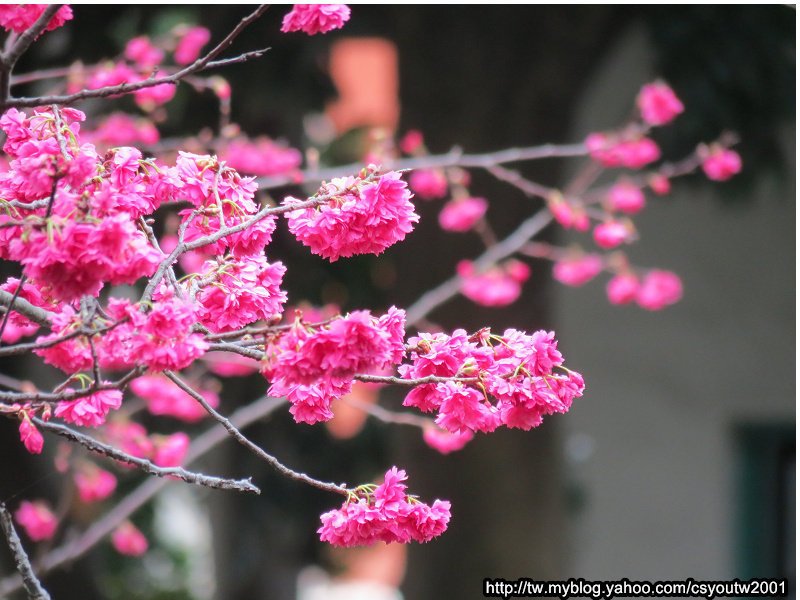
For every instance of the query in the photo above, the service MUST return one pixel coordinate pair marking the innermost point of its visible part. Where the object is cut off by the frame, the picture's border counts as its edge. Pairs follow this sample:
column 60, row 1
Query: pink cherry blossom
column 128, row 540
column 578, row 270
column 623, row 288
column 361, row 217
column 240, row 292
column 19, row 17
column 627, row 197
column 171, row 450
column 429, row 184
column 658, row 103
column 163, row 397
column 569, row 216
column 384, row 514
column 37, row 520
column 445, row 442
column 660, row 184
column 659, row 289
column 141, row 51
column 30, row 436
column 498, row 286
column 94, row 484
column 462, row 214
column 190, row 43
column 411, row 141
column 611, row 234
column 261, row 156
column 612, row 151
column 315, row 18
column 90, row 410
column 720, row 164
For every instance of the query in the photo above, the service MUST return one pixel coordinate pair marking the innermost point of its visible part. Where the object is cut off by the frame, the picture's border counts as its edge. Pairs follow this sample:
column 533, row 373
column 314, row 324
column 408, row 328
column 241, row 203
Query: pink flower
column 363, row 216
column 384, row 514
column 29, row 435
column 128, row 540
column 658, row 103
column 611, row 234
column 611, row 151
column 659, row 184
column 720, row 164
column 190, row 43
column 444, row 441
column 91, row 410
column 261, row 156
column 498, row 286
column 622, row 288
column 461, row 215
column 119, row 129
column 94, row 484
column 37, row 520
column 429, row 184
column 569, row 216
column 19, row 17
column 171, row 450
column 149, row 98
column 241, row 292
column 228, row 364
column 579, row 270
column 411, row 141
column 140, row 51
column 659, row 289
column 163, row 397
column 315, row 18
column 625, row 196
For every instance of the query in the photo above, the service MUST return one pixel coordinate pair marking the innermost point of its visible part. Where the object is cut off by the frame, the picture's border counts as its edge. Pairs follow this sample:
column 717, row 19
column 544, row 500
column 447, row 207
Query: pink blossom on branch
column 29, row 435
column 659, row 289
column 128, row 540
column 19, row 17
column 90, row 410
column 384, row 514
column 190, row 43
column 579, row 270
column 37, row 520
column 361, row 216
column 498, row 286
column 658, row 103
column 315, row 18
column 720, row 164
column 93, row 483
column 429, row 184
column 461, row 214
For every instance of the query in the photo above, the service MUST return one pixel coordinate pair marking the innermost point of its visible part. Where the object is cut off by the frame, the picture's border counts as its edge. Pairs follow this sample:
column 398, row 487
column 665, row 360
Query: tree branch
column 240, row 485
column 201, row 64
column 254, row 448
column 32, row 585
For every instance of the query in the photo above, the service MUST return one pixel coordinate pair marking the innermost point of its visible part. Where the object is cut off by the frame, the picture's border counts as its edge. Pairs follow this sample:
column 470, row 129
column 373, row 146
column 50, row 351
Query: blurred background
column 679, row 461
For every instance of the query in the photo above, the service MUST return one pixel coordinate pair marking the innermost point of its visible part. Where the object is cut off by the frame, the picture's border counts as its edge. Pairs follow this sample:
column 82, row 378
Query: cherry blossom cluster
column 524, row 373
column 384, row 513
column 313, row 366
column 315, row 18
column 355, row 215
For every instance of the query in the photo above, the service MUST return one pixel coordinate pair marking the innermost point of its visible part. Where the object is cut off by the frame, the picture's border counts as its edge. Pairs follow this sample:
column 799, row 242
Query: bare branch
column 257, row 450
column 454, row 158
column 240, row 485
column 9, row 58
column 32, row 585
column 22, row 306
column 201, row 64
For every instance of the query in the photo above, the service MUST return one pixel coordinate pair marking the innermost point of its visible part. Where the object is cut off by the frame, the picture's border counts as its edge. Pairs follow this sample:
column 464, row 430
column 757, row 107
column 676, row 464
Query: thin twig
column 240, row 485
column 257, row 450
column 32, row 585
column 454, row 158
column 199, row 65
